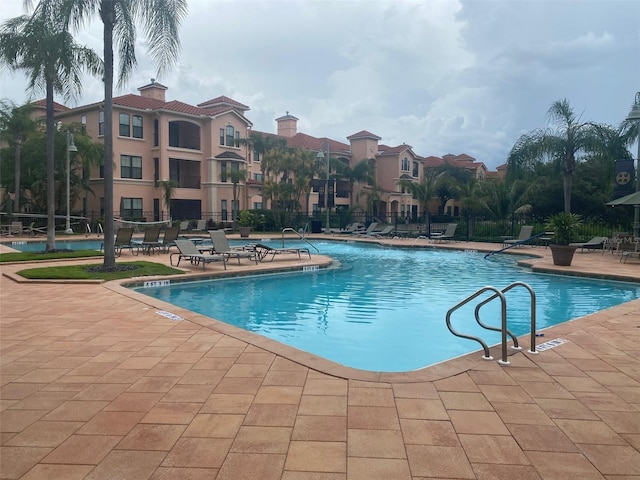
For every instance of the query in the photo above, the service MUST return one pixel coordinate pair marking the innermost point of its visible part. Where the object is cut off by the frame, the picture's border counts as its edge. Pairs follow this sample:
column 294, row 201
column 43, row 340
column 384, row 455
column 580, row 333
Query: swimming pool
column 38, row 246
column 385, row 308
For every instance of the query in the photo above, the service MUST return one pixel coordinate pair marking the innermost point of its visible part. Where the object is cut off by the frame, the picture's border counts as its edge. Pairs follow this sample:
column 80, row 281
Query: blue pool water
column 385, row 308
column 60, row 244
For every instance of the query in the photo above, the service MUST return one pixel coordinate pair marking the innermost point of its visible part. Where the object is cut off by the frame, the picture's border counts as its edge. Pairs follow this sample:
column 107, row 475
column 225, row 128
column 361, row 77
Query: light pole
column 634, row 114
column 320, row 156
column 70, row 148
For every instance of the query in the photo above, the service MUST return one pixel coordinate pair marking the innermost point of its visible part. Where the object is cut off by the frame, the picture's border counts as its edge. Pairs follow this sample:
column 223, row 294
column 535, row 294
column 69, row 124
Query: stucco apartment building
column 195, row 146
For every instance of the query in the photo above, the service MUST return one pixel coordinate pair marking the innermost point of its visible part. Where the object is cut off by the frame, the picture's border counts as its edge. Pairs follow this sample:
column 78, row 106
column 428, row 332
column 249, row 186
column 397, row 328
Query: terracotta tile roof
column 364, row 134
column 58, row 107
column 222, row 100
column 287, row 117
column 137, row 101
column 387, row 150
column 251, row 181
column 307, row 142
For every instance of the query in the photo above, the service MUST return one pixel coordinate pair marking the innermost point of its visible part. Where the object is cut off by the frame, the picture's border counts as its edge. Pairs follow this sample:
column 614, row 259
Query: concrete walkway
column 95, row 384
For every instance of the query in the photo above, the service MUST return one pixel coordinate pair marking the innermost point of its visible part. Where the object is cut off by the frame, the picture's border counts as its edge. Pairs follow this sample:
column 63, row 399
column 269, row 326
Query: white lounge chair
column 448, row 234
column 264, row 250
column 596, row 243
column 221, row 245
column 525, row 234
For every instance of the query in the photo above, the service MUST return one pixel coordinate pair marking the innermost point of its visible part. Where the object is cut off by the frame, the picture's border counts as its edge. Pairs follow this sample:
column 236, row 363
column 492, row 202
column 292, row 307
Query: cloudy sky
column 444, row 76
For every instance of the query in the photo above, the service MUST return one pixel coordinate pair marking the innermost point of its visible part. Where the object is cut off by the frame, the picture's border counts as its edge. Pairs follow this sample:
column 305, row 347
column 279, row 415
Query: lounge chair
column 169, row 239
column 263, row 250
column 448, row 233
column 187, row 250
column 351, row 228
column 184, row 225
column 123, row 240
column 388, row 230
column 372, row 226
column 150, row 240
column 596, row 243
column 201, row 226
column 525, row 234
column 33, row 230
column 221, row 245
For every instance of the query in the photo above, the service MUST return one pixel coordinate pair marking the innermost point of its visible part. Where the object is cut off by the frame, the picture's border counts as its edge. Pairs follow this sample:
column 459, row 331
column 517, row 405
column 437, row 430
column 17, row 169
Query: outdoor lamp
column 634, row 114
column 71, row 147
column 320, row 156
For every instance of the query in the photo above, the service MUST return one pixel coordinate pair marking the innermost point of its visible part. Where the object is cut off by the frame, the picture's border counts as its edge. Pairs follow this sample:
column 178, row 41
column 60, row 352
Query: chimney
column 287, row 125
column 153, row 90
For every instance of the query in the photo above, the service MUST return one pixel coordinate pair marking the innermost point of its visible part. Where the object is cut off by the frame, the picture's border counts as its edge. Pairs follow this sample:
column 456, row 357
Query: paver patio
column 96, row 385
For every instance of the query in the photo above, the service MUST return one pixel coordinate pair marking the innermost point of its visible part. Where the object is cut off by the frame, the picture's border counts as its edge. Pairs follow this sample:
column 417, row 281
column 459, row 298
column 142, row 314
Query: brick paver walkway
column 96, row 385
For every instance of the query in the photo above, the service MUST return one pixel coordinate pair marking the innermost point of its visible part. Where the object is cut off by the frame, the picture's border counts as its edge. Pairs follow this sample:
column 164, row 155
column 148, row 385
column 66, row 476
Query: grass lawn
column 33, row 256
column 82, row 272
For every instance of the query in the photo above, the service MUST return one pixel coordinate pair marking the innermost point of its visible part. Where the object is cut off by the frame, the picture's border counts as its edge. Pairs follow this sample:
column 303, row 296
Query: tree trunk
column 567, row 181
column 107, row 14
column 51, row 197
column 16, row 202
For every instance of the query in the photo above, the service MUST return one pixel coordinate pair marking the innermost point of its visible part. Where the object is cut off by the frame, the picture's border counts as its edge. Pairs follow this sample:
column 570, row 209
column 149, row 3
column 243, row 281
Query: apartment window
column 155, row 132
column 230, row 136
column 137, row 126
column 415, row 169
column 83, row 122
column 101, row 122
column 223, row 209
column 124, row 125
column 257, row 205
column 237, row 143
column 131, row 208
column 256, row 156
column 257, row 177
column 405, row 164
column 222, row 136
column 130, row 166
column 223, row 172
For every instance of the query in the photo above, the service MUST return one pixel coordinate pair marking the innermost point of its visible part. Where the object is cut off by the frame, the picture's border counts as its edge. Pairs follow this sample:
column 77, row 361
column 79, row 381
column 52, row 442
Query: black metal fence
column 470, row 227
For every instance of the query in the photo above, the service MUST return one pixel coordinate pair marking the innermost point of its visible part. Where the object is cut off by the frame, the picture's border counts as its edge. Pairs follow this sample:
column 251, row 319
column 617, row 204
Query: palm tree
column 362, row 172
column 236, row 175
column 425, row 190
column 16, row 123
column 160, row 20
column 566, row 137
column 168, row 188
column 40, row 46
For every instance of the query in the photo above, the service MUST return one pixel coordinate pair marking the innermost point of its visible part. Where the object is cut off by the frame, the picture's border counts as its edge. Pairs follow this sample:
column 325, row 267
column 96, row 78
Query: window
column 124, row 125
column 257, row 205
column 155, row 132
column 415, row 169
column 256, row 156
column 405, row 164
column 223, row 209
column 101, row 122
column 237, row 143
column 257, row 177
column 137, row 126
column 174, row 134
column 223, row 172
column 130, row 166
column 156, row 171
column 230, row 136
column 222, row 136
column 131, row 208
column 83, row 121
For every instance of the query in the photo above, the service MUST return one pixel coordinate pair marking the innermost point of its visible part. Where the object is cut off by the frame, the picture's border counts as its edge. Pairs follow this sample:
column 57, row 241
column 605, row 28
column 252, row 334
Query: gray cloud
column 443, row 76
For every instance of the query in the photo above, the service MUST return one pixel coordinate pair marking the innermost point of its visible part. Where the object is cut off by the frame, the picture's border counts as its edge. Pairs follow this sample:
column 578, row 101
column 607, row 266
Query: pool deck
column 96, row 384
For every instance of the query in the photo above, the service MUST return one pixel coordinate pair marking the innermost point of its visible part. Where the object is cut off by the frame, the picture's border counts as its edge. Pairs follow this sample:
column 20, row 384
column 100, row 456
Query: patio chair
column 201, row 226
column 34, row 231
column 351, row 228
column 386, row 231
column 372, row 226
column 596, row 243
column 263, row 250
column 447, row 235
column 184, row 225
column 170, row 236
column 150, row 240
column 187, row 250
column 123, row 240
column 525, row 234
column 221, row 245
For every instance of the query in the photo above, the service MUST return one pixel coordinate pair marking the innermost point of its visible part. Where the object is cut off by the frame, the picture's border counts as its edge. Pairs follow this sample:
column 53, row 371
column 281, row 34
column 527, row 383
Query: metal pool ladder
column 302, row 237
column 503, row 329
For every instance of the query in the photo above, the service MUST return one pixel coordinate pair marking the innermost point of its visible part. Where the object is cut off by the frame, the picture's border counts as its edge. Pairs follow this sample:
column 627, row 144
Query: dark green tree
column 41, row 46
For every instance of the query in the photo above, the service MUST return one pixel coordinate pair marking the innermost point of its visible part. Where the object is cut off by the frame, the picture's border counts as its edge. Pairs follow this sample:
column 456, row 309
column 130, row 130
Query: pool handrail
column 289, row 229
column 532, row 350
column 517, row 244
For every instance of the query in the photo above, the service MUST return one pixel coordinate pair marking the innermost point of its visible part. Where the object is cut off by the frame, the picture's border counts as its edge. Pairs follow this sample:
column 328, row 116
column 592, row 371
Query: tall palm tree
column 362, row 172
column 160, row 21
column 16, row 123
column 565, row 138
column 41, row 46
column 425, row 190
column 235, row 176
